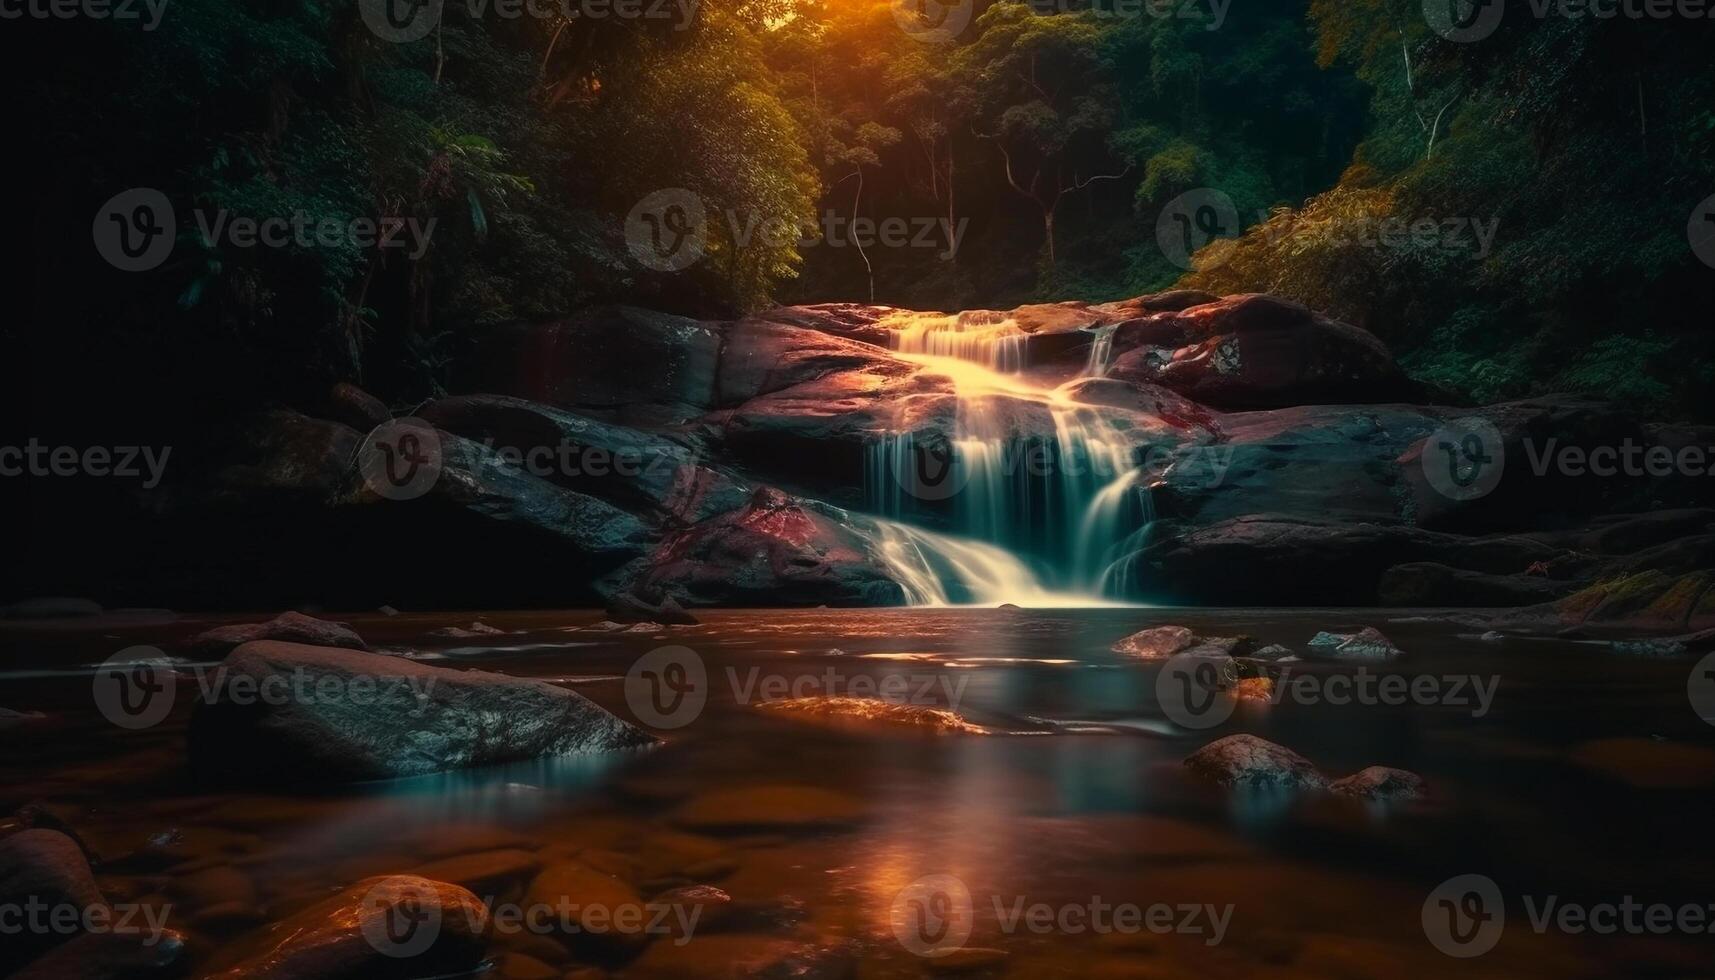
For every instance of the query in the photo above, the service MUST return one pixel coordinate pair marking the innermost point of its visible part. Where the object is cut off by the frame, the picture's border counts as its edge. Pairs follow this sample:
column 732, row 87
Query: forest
column 1509, row 213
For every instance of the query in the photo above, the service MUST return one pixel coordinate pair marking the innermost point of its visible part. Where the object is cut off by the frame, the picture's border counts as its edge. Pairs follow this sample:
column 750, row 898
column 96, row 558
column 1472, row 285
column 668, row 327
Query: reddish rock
column 288, row 627
column 776, row 549
column 1256, row 351
column 1248, row 762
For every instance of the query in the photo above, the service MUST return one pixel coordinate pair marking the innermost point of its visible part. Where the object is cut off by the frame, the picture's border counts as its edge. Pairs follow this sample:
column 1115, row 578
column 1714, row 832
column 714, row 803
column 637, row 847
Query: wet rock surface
column 321, row 713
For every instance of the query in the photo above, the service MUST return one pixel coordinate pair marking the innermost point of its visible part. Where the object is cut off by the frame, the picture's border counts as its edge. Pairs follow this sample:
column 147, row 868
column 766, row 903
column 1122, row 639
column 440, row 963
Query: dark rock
column 289, row 627
column 470, row 632
column 286, row 459
column 46, row 868
column 590, row 363
column 1431, row 584
column 1248, row 762
column 386, row 717
column 355, row 935
column 1368, row 644
column 627, row 607
column 1380, row 784
column 1257, row 351
column 110, row 956
column 10, row 718
column 350, row 405
column 775, row 551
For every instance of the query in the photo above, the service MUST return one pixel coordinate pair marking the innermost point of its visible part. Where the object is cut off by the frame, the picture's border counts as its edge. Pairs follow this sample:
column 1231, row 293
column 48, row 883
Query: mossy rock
column 1675, row 606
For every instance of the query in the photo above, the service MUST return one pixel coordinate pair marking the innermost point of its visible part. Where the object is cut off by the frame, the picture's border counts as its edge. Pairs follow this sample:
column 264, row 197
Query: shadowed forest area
column 1560, row 157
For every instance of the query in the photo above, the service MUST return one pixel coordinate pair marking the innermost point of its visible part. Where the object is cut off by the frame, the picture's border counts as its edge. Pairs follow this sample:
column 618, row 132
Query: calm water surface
column 1589, row 778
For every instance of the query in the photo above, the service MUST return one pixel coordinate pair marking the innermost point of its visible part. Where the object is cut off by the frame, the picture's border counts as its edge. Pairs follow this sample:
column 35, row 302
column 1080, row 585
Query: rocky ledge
column 635, row 457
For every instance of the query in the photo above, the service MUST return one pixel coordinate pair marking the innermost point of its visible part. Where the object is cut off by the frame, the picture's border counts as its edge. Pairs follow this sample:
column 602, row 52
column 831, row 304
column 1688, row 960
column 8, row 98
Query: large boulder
column 776, row 550
column 1248, row 762
column 45, row 869
column 284, row 711
column 288, row 627
column 390, row 928
column 629, row 468
column 629, row 365
column 284, row 458
column 1257, row 351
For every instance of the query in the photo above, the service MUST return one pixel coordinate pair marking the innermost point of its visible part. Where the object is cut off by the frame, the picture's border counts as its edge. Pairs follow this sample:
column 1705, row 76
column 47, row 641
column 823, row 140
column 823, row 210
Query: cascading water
column 1017, row 496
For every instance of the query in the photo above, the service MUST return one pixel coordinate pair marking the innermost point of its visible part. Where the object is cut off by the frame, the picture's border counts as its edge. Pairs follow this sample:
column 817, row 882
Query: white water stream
column 1040, row 520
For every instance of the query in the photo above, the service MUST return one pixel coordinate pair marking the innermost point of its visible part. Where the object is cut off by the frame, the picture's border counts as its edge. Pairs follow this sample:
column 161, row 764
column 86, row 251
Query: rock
column 467, row 632
column 627, row 607
column 718, row 956
column 484, row 872
column 10, row 718
column 633, row 470
column 285, row 459
column 1157, row 642
column 1267, row 559
column 606, row 910
column 373, row 929
column 47, row 868
column 1248, row 762
column 290, row 627
column 589, row 362
column 1256, row 351
column 872, row 713
column 1648, row 648
column 1273, row 651
column 1367, row 644
column 775, row 551
column 778, row 807
column 350, row 405
column 388, row 717
column 109, row 956
column 1422, row 584
column 1380, row 784
column 51, row 607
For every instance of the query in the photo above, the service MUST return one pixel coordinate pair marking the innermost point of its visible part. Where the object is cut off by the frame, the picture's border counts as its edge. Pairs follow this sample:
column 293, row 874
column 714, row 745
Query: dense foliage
column 1028, row 157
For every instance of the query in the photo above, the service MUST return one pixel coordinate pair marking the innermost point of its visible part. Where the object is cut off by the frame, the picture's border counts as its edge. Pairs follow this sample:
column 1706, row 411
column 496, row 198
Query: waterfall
column 1038, row 519
column 1101, row 351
